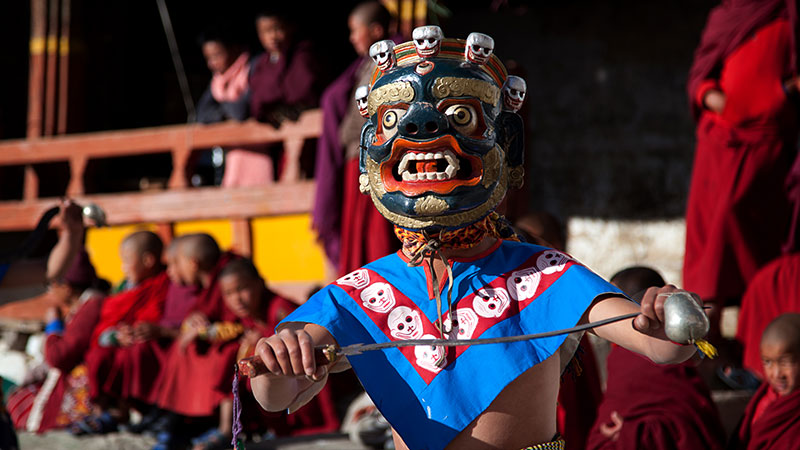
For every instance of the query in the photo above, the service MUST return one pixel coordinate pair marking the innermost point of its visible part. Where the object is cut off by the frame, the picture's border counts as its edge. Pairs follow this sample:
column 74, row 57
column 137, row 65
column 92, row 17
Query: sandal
column 94, row 424
column 212, row 439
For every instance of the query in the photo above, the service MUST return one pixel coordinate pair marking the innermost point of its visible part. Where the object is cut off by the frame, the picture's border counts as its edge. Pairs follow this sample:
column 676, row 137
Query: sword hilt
column 253, row 366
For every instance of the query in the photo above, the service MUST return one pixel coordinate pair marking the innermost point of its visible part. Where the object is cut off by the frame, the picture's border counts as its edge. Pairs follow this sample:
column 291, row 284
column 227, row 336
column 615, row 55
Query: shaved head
column 372, row 12
column 785, row 329
column 201, row 248
column 144, row 242
column 636, row 279
column 242, row 267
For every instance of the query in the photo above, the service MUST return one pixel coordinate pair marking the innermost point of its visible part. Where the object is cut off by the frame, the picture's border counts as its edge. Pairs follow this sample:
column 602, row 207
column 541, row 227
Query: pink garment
column 230, row 85
column 245, row 167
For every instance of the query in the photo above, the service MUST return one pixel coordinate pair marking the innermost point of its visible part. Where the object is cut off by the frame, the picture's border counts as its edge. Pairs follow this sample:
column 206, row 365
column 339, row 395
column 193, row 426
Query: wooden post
column 63, row 67
column 180, row 156
column 292, row 150
column 52, row 70
column 166, row 232
column 36, row 67
column 77, row 166
column 406, row 17
column 242, row 239
column 420, row 13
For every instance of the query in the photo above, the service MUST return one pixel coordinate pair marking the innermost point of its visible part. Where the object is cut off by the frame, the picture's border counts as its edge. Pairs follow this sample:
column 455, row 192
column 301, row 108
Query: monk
column 774, row 290
column 351, row 230
column 125, row 320
column 653, row 406
column 772, row 418
column 740, row 87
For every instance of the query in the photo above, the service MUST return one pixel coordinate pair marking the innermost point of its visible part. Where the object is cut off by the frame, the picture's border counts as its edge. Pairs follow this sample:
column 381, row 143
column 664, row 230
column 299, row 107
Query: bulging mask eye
column 462, row 117
column 389, row 122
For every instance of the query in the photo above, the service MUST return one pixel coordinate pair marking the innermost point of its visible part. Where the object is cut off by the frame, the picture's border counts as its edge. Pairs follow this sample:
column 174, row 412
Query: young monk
column 772, row 418
column 652, row 406
column 125, row 319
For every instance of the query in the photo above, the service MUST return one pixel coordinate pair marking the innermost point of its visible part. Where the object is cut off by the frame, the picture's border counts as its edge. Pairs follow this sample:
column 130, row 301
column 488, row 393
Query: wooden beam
column 36, row 49
column 176, row 205
column 156, row 140
column 242, row 237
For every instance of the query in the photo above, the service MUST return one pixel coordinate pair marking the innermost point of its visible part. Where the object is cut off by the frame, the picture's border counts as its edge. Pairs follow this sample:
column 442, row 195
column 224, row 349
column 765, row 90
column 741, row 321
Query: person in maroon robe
column 653, row 406
column 772, row 418
column 351, row 230
column 740, row 85
column 124, row 321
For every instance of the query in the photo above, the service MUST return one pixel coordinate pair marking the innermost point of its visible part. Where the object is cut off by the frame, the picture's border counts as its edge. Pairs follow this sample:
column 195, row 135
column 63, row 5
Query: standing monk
column 740, row 84
column 442, row 145
column 351, row 230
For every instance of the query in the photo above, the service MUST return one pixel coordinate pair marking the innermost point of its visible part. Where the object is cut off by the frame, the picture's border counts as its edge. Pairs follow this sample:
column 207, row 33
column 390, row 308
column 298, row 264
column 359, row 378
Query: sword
column 328, row 354
column 684, row 324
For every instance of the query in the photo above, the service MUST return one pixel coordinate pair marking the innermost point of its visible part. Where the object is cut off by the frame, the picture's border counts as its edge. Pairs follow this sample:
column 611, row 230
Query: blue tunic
column 430, row 394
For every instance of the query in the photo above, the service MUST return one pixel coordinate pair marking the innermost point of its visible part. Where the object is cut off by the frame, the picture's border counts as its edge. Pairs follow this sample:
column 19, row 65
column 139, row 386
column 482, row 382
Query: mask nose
column 422, row 121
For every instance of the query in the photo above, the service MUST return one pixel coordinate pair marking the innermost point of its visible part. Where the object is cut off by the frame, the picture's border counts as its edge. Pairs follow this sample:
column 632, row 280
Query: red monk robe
column 143, row 303
column 63, row 397
column 579, row 397
column 775, row 426
column 774, row 290
column 662, row 407
column 738, row 209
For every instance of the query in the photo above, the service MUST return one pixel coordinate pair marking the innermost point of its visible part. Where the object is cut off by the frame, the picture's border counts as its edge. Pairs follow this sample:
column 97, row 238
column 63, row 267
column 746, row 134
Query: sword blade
column 357, row 349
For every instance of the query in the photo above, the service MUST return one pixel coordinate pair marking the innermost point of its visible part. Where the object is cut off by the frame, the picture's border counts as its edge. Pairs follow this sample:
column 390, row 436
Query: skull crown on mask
column 440, row 145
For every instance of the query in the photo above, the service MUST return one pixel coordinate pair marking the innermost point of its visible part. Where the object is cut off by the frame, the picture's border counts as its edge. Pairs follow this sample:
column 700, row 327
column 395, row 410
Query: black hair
column 242, row 267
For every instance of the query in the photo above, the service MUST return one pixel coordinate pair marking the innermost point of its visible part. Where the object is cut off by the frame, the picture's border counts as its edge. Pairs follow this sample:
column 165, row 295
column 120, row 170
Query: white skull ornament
column 382, row 52
column 356, row 279
column 430, row 357
column 490, row 302
column 552, row 261
column 427, row 40
column 522, row 284
column 405, row 323
column 514, row 90
column 479, row 48
column 362, row 93
column 378, row 297
column 467, row 322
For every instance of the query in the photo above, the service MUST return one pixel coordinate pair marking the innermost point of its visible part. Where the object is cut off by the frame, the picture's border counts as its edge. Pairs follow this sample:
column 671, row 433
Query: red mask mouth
column 436, row 166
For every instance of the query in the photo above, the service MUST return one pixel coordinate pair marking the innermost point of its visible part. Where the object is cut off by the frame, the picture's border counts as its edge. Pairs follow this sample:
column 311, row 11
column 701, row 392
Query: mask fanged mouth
column 437, row 166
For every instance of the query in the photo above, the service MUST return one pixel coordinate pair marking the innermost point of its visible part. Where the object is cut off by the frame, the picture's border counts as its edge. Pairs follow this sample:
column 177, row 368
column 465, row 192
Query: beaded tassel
column 236, row 428
column 705, row 347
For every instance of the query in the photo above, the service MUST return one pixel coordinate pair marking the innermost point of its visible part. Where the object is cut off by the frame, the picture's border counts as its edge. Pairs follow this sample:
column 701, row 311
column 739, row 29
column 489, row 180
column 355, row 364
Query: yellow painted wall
column 284, row 247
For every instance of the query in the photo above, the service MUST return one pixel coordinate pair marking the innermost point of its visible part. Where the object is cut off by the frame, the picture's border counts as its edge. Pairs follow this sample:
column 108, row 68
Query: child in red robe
column 123, row 320
column 772, row 418
column 652, row 406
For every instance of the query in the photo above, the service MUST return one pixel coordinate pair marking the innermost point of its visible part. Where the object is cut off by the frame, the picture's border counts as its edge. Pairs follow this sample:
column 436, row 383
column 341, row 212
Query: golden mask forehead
column 399, row 91
column 444, row 87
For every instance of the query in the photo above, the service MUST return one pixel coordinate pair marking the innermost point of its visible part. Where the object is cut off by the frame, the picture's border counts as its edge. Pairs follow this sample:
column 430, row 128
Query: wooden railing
column 177, row 202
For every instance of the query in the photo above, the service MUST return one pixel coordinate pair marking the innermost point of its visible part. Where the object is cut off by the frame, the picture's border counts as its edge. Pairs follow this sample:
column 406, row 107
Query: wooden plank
column 155, row 140
column 176, row 205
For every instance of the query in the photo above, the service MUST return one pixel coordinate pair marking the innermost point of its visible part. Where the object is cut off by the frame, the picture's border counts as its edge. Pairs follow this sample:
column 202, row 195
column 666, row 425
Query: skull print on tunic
column 514, row 90
column 522, row 284
column 479, row 48
column 430, row 357
column 490, row 302
column 467, row 321
column 378, row 297
column 427, row 40
column 382, row 52
column 552, row 261
column 362, row 93
column 356, row 279
column 405, row 323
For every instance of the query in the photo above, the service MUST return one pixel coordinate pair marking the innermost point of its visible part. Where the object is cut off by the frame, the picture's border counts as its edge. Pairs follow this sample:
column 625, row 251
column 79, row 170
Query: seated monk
column 772, row 418
column 653, row 406
column 773, row 291
column 125, row 320
column 55, row 394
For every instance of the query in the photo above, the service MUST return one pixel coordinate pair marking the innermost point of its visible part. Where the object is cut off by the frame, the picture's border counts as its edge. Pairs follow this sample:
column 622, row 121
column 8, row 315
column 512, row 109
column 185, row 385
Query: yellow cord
column 706, row 348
